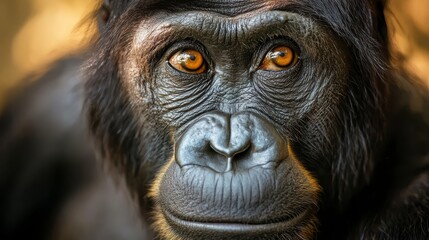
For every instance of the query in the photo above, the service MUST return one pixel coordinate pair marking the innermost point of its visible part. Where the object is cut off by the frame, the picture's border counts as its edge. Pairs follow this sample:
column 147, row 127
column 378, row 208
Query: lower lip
column 237, row 228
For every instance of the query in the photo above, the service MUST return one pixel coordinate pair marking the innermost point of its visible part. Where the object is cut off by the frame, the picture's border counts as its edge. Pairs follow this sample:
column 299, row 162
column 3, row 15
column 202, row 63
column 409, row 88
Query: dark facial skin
column 237, row 107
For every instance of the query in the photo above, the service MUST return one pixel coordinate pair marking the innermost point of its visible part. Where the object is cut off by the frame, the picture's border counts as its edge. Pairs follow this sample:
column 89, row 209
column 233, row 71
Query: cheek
column 154, row 189
column 324, row 80
column 151, row 148
column 326, row 72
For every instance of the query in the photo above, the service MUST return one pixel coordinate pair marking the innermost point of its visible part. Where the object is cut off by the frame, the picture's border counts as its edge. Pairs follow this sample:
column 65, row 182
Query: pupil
column 281, row 54
column 192, row 57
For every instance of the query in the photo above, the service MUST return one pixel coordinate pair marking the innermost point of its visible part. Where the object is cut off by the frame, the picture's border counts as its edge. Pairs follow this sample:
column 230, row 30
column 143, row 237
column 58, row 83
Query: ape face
column 234, row 120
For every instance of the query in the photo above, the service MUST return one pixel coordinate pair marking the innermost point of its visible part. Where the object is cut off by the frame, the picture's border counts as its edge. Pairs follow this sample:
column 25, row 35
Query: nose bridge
column 234, row 93
column 235, row 137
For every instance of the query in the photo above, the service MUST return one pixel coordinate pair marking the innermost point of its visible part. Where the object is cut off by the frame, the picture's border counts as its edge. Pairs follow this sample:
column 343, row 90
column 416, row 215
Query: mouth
column 283, row 225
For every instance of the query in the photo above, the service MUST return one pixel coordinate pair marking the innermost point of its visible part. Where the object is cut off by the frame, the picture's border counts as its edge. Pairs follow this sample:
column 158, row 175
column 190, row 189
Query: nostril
column 244, row 154
column 230, row 151
column 230, row 155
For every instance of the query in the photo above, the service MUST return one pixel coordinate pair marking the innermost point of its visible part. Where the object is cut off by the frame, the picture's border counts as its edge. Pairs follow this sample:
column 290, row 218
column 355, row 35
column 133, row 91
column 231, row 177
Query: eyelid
column 272, row 43
column 272, row 60
column 187, row 43
column 268, row 44
column 183, row 44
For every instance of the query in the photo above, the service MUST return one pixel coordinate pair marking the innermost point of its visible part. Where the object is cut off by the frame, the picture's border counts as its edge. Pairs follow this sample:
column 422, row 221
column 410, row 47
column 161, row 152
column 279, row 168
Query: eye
column 188, row 61
column 279, row 58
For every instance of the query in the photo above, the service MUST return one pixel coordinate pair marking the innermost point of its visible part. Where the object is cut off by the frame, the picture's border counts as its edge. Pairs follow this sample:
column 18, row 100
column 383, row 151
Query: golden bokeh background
column 33, row 33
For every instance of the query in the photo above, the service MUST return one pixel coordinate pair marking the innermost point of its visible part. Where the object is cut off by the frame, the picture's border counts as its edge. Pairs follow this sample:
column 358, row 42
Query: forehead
column 225, row 7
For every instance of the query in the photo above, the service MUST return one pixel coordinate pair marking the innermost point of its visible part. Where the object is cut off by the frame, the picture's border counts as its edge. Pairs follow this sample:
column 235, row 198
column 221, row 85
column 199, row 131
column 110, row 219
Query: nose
column 223, row 143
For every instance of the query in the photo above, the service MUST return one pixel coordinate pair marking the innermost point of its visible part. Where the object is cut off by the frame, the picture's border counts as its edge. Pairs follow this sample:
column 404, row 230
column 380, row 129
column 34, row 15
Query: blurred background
column 33, row 33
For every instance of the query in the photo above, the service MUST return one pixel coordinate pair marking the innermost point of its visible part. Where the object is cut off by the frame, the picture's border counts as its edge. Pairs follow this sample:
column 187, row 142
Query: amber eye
column 188, row 61
column 279, row 58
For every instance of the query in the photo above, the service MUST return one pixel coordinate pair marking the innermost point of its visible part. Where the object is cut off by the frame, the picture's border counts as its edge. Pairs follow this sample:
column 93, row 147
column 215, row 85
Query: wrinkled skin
column 335, row 146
